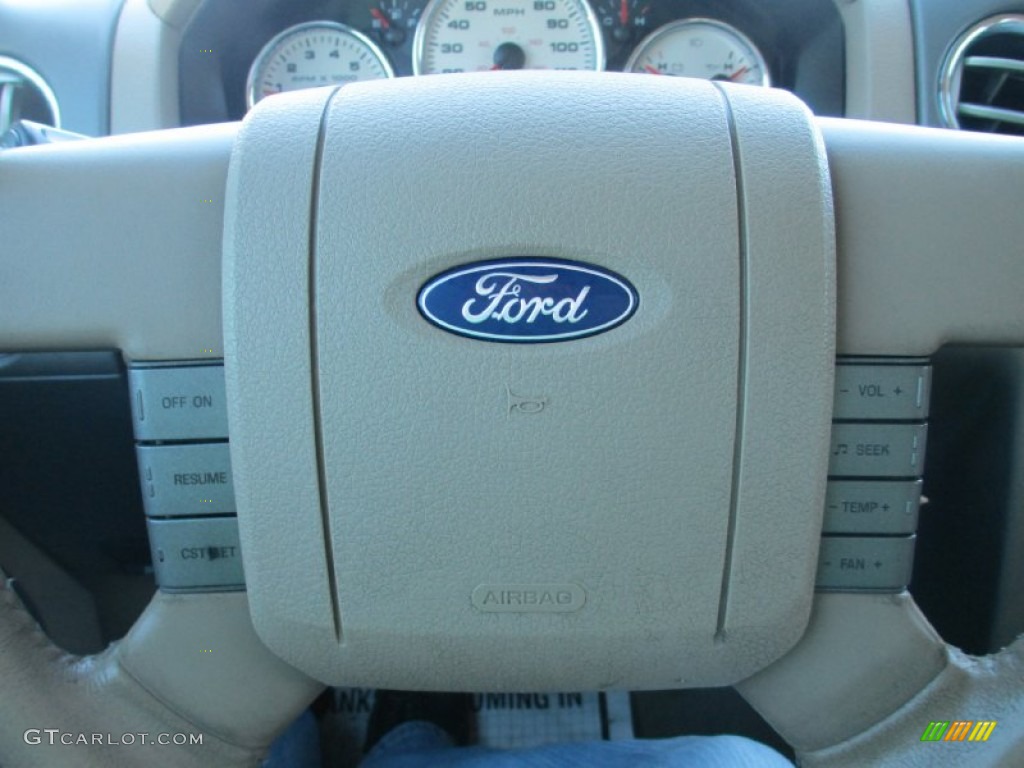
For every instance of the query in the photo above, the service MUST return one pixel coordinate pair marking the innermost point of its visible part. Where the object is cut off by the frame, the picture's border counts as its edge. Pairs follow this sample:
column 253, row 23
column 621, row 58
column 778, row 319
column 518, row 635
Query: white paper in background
column 504, row 720
column 509, row 720
column 618, row 715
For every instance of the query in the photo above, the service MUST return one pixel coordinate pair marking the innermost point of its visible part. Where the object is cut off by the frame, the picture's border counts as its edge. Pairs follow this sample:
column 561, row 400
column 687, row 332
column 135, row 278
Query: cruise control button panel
column 179, row 415
column 185, row 480
column 196, row 554
column 185, row 402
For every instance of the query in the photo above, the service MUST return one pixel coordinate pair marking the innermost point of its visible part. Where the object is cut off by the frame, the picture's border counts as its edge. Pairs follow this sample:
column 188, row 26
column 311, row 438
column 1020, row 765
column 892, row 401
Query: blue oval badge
column 527, row 300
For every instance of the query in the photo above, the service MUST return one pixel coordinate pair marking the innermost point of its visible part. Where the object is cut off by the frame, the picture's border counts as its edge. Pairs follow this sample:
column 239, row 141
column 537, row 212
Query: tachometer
column 703, row 48
column 480, row 35
column 314, row 54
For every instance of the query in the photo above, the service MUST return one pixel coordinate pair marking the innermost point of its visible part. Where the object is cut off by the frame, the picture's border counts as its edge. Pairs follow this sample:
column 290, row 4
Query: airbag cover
column 505, row 503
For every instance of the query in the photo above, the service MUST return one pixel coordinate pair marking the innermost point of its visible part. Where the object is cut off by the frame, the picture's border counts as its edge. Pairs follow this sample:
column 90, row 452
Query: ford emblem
column 527, row 300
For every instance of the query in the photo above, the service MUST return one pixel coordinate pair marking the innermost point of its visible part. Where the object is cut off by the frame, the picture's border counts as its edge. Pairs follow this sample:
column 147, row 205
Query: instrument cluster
column 486, row 35
column 282, row 46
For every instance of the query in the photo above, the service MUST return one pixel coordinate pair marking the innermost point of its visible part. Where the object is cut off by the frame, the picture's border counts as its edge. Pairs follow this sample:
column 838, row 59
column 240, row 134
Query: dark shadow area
column 701, row 712
column 962, row 557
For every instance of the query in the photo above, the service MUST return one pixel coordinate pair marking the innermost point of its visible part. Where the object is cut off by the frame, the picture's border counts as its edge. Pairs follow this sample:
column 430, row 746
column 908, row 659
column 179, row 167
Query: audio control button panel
column 876, row 464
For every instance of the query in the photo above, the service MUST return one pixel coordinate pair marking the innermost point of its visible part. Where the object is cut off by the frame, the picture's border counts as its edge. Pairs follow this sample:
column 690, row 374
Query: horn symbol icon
column 524, row 405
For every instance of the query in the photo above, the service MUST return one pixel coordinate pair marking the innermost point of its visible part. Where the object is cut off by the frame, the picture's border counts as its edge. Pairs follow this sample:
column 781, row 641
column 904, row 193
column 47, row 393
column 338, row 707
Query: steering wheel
column 458, row 464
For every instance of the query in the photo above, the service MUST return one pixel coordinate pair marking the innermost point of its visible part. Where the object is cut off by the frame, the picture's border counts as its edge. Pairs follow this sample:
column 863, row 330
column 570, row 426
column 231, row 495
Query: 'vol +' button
column 882, row 392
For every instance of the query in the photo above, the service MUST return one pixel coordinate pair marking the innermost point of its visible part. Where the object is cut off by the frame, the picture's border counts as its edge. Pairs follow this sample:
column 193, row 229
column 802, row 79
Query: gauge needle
column 509, row 56
column 652, row 70
column 378, row 14
column 624, row 12
column 738, row 74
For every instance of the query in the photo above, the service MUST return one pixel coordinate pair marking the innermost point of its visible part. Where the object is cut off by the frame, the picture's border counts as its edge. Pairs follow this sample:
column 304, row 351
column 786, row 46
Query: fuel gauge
column 394, row 21
column 704, row 48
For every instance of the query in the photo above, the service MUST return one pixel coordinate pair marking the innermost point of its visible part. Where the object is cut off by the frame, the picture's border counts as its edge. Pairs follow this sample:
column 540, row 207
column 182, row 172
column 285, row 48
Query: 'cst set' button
column 871, row 391
column 196, row 554
column 877, row 450
column 872, row 506
column 882, row 563
column 178, row 402
column 186, row 480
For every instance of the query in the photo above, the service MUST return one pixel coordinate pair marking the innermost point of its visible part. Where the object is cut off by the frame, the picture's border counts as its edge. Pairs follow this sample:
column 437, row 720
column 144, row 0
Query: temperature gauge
column 704, row 48
column 623, row 23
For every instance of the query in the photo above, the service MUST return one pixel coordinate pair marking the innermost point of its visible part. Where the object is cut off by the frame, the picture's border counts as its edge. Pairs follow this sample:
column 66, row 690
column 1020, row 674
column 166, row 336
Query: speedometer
column 314, row 54
column 480, row 35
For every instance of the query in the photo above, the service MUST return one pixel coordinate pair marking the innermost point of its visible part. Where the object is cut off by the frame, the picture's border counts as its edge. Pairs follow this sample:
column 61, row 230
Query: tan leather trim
column 138, row 686
column 868, row 678
column 968, row 689
column 200, row 654
column 863, row 657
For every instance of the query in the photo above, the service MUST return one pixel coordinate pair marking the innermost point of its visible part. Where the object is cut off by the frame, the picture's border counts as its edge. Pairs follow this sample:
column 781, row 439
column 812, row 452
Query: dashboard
column 121, row 66
column 233, row 54
column 141, row 65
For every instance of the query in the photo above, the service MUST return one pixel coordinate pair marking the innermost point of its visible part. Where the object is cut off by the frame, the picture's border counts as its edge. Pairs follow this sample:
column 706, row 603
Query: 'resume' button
column 186, row 480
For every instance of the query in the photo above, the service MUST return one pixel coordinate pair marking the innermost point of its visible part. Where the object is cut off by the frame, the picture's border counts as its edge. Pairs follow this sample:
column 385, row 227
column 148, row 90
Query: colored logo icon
column 958, row 730
column 527, row 300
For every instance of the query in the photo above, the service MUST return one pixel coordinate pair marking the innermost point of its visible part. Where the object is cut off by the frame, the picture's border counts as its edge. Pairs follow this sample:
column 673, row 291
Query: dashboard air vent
column 24, row 95
column 982, row 86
